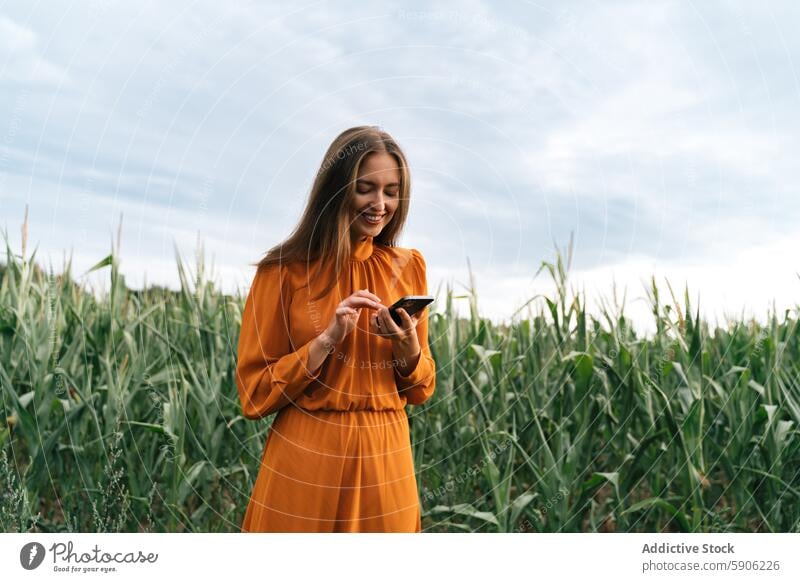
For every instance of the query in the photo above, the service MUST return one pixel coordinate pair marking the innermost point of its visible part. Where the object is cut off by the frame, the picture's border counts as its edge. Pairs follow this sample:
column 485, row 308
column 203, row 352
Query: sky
column 660, row 136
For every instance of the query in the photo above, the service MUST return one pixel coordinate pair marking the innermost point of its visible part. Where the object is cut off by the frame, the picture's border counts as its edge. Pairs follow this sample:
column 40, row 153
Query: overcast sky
column 662, row 134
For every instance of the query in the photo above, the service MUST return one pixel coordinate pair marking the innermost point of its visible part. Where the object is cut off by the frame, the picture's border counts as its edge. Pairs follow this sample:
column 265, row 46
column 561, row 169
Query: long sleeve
column 270, row 373
column 421, row 383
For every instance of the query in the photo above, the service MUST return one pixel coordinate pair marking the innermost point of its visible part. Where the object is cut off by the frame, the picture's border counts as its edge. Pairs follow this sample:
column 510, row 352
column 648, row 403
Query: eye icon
column 31, row 555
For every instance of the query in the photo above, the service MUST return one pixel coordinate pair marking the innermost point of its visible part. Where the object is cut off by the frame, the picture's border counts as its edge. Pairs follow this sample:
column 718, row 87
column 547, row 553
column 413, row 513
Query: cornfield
column 121, row 414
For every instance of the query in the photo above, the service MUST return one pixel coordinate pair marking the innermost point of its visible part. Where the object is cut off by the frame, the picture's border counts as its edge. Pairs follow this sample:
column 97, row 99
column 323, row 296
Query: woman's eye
column 368, row 189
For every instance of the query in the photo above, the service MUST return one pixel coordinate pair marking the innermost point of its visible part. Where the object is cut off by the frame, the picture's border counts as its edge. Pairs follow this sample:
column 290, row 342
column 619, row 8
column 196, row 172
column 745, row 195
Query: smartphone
column 411, row 303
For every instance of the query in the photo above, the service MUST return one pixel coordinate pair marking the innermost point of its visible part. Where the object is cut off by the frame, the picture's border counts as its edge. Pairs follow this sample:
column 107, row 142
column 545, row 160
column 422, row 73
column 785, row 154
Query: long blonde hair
column 324, row 228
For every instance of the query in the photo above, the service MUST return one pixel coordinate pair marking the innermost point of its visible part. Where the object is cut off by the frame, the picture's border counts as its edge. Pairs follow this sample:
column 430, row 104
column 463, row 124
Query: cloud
column 657, row 132
column 23, row 62
column 746, row 284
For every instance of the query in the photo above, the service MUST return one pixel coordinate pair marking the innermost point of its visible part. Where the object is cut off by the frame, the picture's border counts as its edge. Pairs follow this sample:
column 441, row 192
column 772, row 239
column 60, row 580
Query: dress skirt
column 335, row 471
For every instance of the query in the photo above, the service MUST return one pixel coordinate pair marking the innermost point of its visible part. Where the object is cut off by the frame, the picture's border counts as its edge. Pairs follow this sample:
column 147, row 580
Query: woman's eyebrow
column 371, row 183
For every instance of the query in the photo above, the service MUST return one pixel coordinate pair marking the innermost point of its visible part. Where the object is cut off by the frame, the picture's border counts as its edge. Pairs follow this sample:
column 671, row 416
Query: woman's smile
column 373, row 218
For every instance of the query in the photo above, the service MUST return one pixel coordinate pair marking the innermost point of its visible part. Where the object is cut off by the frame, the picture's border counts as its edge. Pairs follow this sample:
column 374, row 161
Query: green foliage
column 121, row 414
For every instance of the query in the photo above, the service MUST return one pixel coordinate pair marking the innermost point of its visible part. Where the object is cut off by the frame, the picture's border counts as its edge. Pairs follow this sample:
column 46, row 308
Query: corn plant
column 121, row 412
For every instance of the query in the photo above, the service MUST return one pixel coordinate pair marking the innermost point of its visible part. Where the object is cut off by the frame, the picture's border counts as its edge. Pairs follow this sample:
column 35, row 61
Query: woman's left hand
column 405, row 334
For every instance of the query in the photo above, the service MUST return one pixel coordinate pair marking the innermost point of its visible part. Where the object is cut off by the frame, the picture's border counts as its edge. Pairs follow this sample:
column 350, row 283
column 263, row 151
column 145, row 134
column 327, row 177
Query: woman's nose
column 378, row 202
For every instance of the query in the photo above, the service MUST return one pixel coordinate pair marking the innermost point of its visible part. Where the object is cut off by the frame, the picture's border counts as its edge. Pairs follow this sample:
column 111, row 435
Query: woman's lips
column 368, row 220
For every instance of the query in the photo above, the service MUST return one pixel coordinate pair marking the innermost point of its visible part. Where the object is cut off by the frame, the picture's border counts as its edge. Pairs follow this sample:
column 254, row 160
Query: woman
column 318, row 346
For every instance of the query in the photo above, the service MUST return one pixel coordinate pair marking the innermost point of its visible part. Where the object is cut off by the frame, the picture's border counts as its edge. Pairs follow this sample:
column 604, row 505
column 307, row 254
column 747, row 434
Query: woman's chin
column 374, row 231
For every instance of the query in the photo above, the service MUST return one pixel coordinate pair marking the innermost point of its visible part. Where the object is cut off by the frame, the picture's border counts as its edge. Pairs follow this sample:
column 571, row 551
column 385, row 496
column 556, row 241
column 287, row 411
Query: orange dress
column 337, row 456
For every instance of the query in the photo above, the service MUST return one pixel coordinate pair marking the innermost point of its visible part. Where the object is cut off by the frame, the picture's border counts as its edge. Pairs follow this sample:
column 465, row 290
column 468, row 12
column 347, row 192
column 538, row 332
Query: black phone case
column 408, row 306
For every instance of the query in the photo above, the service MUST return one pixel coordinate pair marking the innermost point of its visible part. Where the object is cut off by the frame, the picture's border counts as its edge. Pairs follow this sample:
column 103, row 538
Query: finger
column 388, row 323
column 408, row 322
column 363, row 302
column 383, row 329
column 369, row 294
column 413, row 319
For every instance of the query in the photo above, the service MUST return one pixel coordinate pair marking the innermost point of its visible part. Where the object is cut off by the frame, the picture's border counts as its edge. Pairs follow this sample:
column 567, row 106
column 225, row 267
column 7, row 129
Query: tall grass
column 121, row 413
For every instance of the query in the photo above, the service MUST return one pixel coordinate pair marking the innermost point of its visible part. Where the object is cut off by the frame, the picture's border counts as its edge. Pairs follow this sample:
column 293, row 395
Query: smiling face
column 377, row 194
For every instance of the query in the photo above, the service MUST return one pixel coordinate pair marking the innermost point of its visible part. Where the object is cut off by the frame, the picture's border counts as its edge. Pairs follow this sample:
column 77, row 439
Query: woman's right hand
column 347, row 313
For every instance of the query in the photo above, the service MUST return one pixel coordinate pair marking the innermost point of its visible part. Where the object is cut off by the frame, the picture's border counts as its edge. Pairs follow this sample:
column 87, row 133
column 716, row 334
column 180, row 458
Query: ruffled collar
column 362, row 249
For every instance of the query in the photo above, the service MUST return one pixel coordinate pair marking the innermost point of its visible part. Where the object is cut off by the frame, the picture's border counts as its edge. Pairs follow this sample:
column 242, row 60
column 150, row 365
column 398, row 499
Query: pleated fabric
column 337, row 457
column 335, row 471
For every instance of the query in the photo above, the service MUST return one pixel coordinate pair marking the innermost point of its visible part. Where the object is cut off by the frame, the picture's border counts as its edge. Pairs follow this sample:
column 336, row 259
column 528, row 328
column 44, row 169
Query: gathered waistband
column 327, row 425
column 360, row 411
